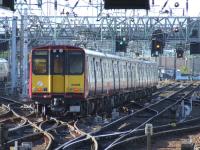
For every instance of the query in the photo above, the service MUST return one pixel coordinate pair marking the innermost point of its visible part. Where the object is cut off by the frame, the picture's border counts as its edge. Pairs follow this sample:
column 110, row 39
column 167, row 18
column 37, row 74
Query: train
column 66, row 78
column 4, row 70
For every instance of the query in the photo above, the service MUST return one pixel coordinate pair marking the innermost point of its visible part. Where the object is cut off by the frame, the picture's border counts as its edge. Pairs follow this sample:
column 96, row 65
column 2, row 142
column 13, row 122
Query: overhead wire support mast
column 25, row 54
column 13, row 56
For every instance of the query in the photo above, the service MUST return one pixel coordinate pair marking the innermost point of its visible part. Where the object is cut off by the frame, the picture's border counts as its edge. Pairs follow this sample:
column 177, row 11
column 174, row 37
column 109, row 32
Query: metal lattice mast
column 13, row 56
column 25, row 54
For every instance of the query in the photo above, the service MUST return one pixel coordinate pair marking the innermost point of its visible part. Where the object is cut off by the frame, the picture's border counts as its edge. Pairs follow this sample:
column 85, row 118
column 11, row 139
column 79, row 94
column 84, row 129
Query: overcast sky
column 87, row 7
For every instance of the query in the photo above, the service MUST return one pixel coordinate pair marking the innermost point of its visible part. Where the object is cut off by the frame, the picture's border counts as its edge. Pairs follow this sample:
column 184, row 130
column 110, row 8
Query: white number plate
column 74, row 108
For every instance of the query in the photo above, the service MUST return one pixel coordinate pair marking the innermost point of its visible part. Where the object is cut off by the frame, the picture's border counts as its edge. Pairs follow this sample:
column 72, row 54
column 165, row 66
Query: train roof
column 56, row 46
column 3, row 60
column 94, row 53
column 101, row 54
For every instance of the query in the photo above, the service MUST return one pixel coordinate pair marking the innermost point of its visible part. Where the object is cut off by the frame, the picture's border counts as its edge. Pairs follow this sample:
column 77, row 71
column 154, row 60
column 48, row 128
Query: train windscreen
column 75, row 62
column 40, row 62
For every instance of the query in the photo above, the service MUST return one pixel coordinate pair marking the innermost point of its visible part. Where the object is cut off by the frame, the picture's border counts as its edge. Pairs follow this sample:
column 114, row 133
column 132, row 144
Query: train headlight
column 34, row 89
column 39, row 89
column 76, row 90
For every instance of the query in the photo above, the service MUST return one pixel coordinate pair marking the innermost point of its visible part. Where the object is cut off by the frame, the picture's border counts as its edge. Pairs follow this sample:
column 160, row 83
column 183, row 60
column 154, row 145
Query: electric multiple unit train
column 73, row 79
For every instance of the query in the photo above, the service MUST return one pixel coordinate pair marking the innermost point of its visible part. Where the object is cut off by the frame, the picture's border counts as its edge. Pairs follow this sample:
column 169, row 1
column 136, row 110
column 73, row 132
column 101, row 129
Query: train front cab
column 58, row 78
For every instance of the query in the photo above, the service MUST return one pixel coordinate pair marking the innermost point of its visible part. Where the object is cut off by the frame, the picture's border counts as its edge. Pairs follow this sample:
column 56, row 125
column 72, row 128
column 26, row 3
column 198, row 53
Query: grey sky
column 84, row 7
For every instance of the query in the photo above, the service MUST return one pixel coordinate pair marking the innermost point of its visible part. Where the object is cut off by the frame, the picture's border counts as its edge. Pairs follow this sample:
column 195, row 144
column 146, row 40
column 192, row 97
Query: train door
column 114, row 78
column 120, row 65
column 95, row 76
column 137, row 79
column 142, row 74
column 133, row 75
column 102, row 78
column 129, row 80
column 57, row 71
column 116, row 75
column 91, row 75
column 75, row 75
column 146, row 75
column 150, row 75
column 98, row 75
column 139, row 74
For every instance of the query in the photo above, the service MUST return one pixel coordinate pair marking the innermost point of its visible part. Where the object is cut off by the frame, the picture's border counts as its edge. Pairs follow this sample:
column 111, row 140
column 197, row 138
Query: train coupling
column 57, row 105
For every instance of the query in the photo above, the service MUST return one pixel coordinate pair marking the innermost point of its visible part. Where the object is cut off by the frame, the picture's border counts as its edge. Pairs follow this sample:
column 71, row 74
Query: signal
column 4, row 45
column 126, row 4
column 157, row 48
column 39, row 3
column 179, row 53
column 194, row 48
column 7, row 4
column 157, row 43
column 121, row 44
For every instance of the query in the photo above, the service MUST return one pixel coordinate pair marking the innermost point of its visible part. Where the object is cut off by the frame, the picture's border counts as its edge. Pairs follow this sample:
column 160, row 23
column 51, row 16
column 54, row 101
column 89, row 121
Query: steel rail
column 81, row 139
column 150, row 119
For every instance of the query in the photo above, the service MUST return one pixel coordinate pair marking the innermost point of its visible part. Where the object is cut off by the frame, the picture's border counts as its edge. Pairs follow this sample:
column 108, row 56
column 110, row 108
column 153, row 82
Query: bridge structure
column 29, row 31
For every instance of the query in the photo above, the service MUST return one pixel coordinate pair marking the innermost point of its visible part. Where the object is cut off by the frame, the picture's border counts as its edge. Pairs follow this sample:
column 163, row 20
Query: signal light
column 158, row 42
column 176, row 29
column 157, row 46
column 179, row 53
column 121, row 44
column 176, row 4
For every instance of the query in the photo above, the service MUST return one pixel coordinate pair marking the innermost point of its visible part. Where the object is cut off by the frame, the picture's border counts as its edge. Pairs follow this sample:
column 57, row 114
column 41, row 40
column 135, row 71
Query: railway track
column 161, row 107
column 19, row 124
column 85, row 138
column 24, row 126
column 146, row 115
column 167, row 132
column 54, row 133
